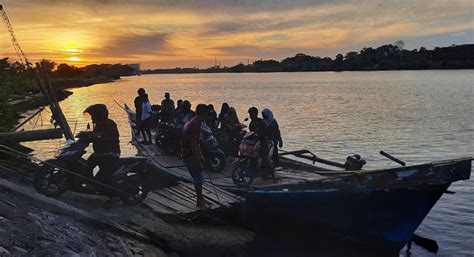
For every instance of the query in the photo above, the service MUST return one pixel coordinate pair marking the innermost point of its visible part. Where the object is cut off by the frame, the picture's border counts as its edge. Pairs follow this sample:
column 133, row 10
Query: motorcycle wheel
column 51, row 182
column 216, row 163
column 137, row 192
column 240, row 176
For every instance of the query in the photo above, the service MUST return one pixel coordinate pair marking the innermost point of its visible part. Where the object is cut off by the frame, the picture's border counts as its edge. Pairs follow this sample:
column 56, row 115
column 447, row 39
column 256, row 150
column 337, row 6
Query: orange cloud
column 182, row 33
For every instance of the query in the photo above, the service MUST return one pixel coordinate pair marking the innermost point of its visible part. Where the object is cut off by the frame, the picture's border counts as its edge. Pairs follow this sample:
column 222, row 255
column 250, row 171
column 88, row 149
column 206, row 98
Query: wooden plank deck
column 181, row 199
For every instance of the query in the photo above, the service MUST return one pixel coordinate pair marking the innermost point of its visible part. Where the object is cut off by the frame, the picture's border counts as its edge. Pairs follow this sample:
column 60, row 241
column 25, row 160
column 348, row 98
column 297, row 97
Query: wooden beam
column 31, row 135
column 47, row 89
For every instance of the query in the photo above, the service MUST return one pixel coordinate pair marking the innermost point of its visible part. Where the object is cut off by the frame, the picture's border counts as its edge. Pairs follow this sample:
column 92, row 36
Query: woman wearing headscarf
column 231, row 125
column 212, row 118
column 230, row 120
column 273, row 133
column 224, row 110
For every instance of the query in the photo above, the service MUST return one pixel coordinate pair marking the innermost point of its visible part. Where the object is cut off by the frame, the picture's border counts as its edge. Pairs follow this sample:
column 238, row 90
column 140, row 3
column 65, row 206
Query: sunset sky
column 167, row 33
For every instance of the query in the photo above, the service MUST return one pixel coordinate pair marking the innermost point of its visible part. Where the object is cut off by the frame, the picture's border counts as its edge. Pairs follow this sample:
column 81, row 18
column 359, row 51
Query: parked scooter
column 128, row 175
column 214, row 155
column 248, row 165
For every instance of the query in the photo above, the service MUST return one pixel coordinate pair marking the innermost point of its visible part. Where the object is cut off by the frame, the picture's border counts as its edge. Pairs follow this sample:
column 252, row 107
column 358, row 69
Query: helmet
column 98, row 112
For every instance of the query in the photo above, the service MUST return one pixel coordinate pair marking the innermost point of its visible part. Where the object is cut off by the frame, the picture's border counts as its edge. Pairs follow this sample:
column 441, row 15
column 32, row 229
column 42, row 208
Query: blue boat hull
column 386, row 219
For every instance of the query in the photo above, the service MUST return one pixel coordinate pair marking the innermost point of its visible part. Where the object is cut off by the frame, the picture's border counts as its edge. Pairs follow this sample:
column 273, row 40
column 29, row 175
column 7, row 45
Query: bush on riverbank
column 14, row 80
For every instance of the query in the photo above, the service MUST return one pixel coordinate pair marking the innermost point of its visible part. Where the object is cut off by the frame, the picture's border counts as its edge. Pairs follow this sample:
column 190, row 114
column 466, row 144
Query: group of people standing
column 191, row 122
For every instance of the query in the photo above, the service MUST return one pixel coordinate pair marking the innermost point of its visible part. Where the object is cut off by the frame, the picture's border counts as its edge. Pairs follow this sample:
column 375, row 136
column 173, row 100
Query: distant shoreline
column 382, row 58
column 233, row 72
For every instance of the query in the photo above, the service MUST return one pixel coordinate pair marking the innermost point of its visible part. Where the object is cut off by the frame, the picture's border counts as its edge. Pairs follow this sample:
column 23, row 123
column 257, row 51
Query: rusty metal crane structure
column 21, row 55
column 42, row 80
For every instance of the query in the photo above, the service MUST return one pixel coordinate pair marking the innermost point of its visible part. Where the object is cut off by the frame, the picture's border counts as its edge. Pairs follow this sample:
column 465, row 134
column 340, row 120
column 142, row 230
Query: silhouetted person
column 191, row 151
column 274, row 134
column 167, row 108
column 230, row 120
column 105, row 143
column 258, row 126
column 224, row 110
column 138, row 108
column 212, row 118
column 178, row 105
column 185, row 115
column 146, row 120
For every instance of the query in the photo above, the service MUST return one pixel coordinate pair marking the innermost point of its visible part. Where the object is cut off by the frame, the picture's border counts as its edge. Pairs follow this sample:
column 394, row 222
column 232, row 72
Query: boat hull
column 386, row 219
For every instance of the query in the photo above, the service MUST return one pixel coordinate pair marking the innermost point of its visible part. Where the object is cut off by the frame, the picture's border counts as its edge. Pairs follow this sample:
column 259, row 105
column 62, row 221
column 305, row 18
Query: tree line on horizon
column 386, row 57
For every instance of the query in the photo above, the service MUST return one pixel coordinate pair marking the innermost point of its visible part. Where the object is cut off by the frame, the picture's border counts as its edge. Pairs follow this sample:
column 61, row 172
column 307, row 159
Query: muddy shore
column 83, row 225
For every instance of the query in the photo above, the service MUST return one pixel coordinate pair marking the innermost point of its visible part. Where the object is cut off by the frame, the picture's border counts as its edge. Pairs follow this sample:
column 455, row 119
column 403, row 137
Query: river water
column 418, row 116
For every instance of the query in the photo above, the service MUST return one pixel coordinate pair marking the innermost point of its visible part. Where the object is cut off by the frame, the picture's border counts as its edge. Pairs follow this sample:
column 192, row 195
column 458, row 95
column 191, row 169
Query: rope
column 39, row 111
column 36, row 122
column 214, row 187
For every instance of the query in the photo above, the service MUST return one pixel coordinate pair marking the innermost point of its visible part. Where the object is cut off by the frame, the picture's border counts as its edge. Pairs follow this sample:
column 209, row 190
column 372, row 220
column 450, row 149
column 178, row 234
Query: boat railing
column 308, row 155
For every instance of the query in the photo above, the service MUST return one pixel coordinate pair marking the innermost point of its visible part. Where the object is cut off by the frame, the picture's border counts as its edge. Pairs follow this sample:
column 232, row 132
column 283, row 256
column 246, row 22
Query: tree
column 350, row 56
column 400, row 45
column 48, row 65
column 67, row 71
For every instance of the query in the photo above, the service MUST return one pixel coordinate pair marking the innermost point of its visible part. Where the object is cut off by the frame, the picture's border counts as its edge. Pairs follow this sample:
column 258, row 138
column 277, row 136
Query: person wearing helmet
column 105, row 142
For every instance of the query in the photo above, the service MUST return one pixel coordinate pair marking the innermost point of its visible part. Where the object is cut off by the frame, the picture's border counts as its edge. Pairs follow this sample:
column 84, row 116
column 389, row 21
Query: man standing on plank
column 191, row 151
column 138, row 109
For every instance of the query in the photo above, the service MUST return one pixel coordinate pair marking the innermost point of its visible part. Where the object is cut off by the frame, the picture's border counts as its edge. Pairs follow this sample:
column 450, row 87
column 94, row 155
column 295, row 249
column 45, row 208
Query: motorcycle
column 168, row 138
column 248, row 164
column 68, row 171
column 214, row 155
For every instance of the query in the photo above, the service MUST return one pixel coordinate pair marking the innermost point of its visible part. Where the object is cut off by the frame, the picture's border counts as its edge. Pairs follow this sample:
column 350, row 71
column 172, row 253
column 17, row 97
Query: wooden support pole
column 50, row 94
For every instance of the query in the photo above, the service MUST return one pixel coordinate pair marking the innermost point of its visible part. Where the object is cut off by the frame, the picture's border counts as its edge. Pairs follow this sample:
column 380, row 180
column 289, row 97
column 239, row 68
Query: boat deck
column 180, row 198
column 173, row 165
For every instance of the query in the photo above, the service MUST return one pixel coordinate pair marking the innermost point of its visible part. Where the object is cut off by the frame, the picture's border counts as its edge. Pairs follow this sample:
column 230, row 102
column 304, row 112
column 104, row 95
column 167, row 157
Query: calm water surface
column 418, row 116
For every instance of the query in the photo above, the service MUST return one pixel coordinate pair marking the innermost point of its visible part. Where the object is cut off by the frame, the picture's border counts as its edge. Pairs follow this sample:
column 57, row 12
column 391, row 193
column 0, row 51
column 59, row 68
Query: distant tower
column 215, row 62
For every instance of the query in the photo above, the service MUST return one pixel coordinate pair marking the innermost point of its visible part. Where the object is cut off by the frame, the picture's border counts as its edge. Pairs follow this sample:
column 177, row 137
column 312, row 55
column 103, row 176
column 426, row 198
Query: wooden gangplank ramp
column 180, row 199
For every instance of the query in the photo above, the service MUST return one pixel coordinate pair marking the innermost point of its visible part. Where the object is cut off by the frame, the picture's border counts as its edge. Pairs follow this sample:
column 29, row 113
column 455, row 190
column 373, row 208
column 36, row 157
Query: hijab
column 269, row 120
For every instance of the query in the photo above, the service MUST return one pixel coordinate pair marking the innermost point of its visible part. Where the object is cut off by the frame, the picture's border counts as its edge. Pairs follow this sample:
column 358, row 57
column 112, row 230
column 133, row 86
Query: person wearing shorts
column 191, row 151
